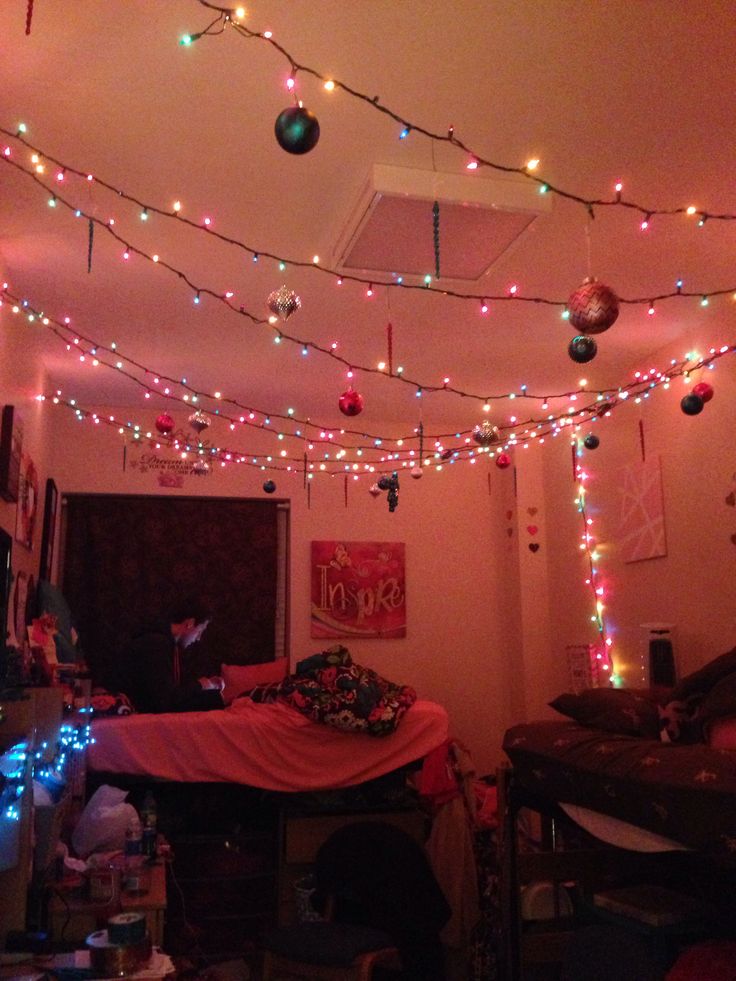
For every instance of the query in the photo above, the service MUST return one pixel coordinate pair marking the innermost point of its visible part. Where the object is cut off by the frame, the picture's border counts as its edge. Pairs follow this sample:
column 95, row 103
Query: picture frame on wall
column 11, row 447
column 48, row 534
column 358, row 589
column 27, row 508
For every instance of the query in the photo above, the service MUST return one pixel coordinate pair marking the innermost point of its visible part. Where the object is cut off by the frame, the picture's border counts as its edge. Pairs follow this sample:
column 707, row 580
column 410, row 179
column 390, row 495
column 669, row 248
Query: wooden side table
column 73, row 918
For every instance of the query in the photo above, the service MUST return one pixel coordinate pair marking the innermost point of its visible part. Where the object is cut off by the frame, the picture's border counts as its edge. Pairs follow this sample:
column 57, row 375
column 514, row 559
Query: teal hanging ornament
column 297, row 130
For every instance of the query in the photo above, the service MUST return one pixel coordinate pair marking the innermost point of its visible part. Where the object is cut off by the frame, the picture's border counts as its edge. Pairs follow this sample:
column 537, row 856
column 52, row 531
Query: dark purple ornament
column 591, row 442
column 691, row 404
column 384, row 482
column 582, row 349
column 297, row 130
column 269, row 487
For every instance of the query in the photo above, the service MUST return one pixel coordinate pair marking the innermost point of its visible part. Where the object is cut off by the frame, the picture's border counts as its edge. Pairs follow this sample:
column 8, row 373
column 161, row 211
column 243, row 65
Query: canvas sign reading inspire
column 358, row 589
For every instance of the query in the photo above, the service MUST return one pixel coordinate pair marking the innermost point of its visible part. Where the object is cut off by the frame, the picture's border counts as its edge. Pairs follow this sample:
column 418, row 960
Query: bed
column 265, row 745
column 685, row 795
column 609, row 810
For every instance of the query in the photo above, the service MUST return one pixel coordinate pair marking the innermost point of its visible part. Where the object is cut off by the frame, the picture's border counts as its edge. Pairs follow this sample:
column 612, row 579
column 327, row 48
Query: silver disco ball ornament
column 486, row 434
column 416, row 473
column 283, row 302
column 199, row 421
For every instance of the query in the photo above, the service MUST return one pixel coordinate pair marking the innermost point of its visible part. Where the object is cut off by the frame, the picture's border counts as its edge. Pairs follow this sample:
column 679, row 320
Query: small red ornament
column 164, row 424
column 503, row 460
column 351, row 403
column 593, row 307
column 704, row 390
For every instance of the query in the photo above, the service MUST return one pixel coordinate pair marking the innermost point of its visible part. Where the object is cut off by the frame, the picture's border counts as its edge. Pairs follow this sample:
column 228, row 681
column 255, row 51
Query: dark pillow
column 704, row 678
column 701, row 697
column 720, row 701
column 613, row 709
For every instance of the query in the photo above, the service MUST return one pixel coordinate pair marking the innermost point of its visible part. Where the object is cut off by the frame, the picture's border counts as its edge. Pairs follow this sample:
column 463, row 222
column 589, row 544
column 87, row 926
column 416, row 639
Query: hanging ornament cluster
column 593, row 307
column 486, row 434
column 350, row 402
column 199, row 421
column 503, row 460
column 164, row 424
column 693, row 403
column 582, row 349
column 390, row 484
column 283, row 302
column 297, row 130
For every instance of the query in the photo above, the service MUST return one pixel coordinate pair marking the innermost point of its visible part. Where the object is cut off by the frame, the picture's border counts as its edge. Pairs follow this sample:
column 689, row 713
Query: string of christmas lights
column 232, row 17
column 517, row 431
column 467, row 452
column 602, row 661
column 512, row 294
column 280, row 333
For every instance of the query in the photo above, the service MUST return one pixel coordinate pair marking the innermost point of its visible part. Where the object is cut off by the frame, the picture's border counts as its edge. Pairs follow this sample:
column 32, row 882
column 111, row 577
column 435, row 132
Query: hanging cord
column 588, row 243
column 436, row 233
column 29, row 17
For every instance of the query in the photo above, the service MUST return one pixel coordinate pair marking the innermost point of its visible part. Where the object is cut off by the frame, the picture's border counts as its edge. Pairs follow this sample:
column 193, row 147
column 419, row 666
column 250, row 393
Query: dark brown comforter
column 683, row 792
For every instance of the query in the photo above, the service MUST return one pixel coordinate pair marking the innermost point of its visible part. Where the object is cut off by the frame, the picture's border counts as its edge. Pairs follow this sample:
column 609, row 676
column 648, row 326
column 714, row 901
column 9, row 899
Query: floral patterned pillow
column 330, row 688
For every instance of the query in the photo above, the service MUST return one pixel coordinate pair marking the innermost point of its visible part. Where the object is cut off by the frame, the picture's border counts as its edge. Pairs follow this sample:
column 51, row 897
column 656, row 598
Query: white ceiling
column 639, row 91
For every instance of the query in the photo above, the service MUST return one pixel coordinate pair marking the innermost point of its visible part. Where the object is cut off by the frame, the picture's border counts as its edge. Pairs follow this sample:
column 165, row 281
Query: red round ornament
column 593, row 307
column 704, row 390
column 503, row 460
column 351, row 403
column 164, row 423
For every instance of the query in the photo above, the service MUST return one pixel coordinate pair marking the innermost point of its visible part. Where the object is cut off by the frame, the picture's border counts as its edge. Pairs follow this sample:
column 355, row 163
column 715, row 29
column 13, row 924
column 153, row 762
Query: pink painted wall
column 462, row 641
column 693, row 586
column 488, row 618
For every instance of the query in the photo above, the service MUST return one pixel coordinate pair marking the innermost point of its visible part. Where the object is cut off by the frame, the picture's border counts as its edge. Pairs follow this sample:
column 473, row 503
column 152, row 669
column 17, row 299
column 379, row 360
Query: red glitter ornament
column 164, row 424
column 351, row 403
column 503, row 460
column 593, row 307
column 704, row 390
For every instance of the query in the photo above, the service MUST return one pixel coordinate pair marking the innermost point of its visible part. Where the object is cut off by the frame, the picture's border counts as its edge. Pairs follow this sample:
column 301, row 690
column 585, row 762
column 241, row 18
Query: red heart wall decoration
column 533, row 546
column 532, row 529
column 531, row 511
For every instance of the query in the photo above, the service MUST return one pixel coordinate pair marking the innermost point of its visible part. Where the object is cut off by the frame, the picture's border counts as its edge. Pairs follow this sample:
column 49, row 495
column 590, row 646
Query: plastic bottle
column 149, row 819
column 134, row 874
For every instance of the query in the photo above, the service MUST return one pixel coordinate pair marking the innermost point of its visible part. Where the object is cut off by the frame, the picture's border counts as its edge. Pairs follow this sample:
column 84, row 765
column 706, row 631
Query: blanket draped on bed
column 330, row 688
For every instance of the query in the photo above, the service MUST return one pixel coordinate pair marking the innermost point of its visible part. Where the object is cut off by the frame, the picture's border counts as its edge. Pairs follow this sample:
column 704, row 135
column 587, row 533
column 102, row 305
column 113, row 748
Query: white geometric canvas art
column 642, row 534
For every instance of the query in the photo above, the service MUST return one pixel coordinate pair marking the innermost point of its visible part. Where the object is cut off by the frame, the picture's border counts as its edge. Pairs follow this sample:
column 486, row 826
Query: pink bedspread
column 270, row 746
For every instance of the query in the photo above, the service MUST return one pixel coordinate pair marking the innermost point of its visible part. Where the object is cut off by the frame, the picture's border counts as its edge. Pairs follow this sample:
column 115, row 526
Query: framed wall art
column 48, row 535
column 358, row 589
column 27, row 509
column 11, row 444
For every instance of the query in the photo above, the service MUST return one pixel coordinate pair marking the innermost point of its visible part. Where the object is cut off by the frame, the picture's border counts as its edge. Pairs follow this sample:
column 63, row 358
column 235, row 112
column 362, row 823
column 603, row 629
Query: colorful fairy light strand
column 227, row 17
column 602, row 660
column 282, row 334
column 512, row 294
column 516, row 432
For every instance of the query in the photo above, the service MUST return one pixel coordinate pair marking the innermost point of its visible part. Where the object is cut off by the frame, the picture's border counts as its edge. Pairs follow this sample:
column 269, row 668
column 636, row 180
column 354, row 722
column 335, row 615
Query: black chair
column 376, row 878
